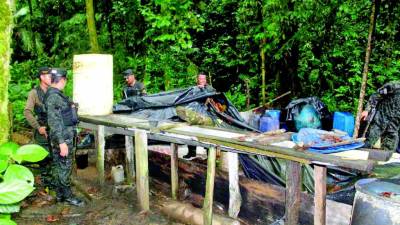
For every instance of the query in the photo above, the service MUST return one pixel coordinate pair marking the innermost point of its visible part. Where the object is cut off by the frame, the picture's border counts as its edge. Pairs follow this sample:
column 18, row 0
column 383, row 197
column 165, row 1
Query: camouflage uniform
column 386, row 122
column 62, row 130
column 137, row 89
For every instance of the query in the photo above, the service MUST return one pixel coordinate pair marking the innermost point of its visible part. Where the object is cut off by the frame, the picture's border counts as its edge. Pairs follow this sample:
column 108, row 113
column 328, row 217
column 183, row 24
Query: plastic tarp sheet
column 162, row 106
column 315, row 139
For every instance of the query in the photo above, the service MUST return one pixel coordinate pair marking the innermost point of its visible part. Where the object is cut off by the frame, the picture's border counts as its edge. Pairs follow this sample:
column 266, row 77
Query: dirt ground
column 110, row 205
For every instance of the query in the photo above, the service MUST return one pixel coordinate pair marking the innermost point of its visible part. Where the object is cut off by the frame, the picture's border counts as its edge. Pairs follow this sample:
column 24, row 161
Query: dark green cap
column 43, row 70
column 127, row 72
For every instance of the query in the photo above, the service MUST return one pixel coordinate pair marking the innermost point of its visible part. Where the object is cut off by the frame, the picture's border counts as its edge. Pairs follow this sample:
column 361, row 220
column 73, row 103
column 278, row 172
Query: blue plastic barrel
column 273, row 113
column 344, row 121
column 269, row 123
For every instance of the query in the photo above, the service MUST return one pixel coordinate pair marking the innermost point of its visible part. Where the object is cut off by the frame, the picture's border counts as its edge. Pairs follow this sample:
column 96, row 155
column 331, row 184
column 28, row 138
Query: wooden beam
column 235, row 199
column 130, row 158
column 100, row 143
column 174, row 171
column 293, row 191
column 209, row 195
column 142, row 169
column 320, row 195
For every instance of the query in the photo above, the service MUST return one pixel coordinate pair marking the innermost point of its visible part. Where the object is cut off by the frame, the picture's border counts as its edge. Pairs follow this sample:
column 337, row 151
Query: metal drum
column 377, row 202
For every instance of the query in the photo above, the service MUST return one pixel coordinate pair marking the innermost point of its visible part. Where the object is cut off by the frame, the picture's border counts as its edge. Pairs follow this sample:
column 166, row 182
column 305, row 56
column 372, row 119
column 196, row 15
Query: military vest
column 39, row 109
column 70, row 114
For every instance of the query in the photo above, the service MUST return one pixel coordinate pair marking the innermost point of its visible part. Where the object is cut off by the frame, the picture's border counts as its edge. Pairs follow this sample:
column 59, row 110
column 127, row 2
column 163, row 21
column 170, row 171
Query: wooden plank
column 130, row 158
column 235, row 199
column 142, row 169
column 100, row 143
column 208, row 199
column 293, row 190
column 320, row 195
column 174, row 171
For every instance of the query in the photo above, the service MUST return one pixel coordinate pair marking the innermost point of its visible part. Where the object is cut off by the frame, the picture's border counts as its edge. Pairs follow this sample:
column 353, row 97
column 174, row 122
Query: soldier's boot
column 59, row 195
column 70, row 199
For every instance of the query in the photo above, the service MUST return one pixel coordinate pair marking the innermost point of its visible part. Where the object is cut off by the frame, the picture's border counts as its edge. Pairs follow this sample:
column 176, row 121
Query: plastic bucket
column 344, row 121
column 377, row 202
column 117, row 173
column 268, row 124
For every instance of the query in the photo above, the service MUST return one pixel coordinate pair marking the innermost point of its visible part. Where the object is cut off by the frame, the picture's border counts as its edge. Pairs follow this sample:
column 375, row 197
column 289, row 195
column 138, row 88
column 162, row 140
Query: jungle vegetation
column 309, row 47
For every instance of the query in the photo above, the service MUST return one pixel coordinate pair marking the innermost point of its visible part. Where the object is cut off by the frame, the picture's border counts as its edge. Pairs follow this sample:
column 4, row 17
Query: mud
column 110, row 205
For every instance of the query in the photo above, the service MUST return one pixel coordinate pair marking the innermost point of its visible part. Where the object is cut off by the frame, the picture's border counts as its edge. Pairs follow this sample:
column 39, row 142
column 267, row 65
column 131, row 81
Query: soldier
column 62, row 119
column 134, row 87
column 202, row 82
column 35, row 114
column 383, row 109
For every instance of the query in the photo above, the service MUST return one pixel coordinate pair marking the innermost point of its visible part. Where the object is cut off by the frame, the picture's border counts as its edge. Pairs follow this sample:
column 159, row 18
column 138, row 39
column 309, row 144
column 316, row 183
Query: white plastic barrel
column 93, row 84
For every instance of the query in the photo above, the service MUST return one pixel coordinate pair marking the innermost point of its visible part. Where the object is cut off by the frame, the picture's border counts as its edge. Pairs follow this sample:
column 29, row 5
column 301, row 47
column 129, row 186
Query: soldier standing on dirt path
column 62, row 119
column 36, row 116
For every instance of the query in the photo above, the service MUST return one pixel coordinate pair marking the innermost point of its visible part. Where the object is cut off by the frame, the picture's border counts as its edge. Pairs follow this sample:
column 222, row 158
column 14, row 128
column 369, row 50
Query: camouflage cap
column 58, row 72
column 127, row 72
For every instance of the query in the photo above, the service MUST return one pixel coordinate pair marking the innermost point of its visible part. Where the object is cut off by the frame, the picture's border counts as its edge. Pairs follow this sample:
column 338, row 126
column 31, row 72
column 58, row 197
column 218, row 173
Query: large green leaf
column 7, row 222
column 3, row 165
column 18, row 172
column 14, row 191
column 8, row 148
column 10, row 208
column 30, row 153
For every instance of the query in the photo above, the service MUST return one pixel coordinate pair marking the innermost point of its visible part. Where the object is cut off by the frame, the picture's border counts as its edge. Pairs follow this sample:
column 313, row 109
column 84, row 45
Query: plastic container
column 117, row 173
column 376, row 202
column 268, row 123
column 273, row 113
column 93, row 84
column 344, row 121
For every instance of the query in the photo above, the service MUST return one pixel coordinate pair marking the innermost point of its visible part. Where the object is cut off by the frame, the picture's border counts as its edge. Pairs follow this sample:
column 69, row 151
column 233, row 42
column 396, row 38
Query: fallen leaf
column 52, row 218
column 65, row 211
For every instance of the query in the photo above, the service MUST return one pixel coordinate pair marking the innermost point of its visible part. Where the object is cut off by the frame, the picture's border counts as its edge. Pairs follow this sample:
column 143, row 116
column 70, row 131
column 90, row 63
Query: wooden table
column 213, row 139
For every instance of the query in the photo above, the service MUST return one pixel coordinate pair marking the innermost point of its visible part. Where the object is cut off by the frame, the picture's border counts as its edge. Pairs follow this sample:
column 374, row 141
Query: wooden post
column 100, row 143
column 293, row 189
column 142, row 169
column 208, row 199
column 174, row 171
column 130, row 158
column 320, row 195
column 235, row 199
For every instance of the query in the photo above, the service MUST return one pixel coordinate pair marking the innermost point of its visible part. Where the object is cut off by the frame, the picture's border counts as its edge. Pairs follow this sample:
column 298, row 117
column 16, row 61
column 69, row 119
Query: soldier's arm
column 54, row 118
column 29, row 109
column 143, row 90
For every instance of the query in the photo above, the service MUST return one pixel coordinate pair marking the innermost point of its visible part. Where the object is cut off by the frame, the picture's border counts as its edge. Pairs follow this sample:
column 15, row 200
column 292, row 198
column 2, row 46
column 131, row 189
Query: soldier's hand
column 364, row 115
column 63, row 149
column 42, row 131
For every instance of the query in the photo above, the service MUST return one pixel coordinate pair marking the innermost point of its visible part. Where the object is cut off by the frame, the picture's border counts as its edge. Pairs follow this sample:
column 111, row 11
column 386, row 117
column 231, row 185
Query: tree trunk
column 5, row 53
column 91, row 27
column 366, row 63
column 262, row 54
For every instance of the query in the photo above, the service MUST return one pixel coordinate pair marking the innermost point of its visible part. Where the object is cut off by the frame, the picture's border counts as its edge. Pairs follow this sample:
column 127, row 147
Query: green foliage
column 17, row 180
column 311, row 47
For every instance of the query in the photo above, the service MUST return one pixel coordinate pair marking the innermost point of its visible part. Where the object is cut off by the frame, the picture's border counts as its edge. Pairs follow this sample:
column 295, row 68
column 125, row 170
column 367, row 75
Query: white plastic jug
column 117, row 173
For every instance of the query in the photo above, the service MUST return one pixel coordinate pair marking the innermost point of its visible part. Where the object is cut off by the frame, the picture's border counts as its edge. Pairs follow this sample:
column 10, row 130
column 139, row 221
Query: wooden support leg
column 208, row 199
column 142, row 169
column 174, row 171
column 320, row 195
column 100, row 143
column 235, row 199
column 130, row 158
column 293, row 190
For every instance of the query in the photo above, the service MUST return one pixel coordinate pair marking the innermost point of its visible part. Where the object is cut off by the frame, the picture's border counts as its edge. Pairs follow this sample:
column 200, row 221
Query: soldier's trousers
column 386, row 124
column 62, row 170
column 45, row 164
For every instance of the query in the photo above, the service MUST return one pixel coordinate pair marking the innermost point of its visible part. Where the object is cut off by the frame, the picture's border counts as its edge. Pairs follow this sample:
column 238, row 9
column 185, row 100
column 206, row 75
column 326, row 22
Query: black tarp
column 161, row 106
